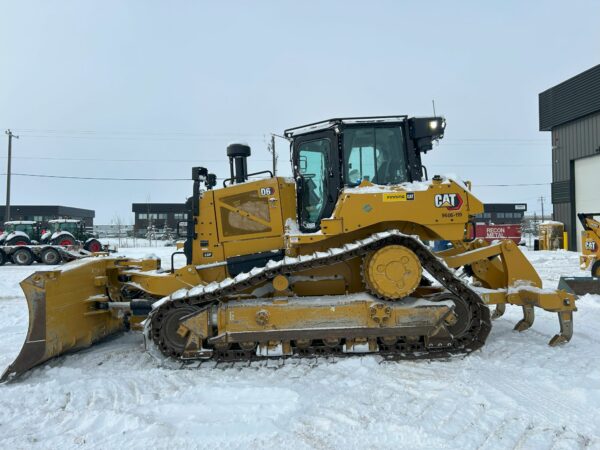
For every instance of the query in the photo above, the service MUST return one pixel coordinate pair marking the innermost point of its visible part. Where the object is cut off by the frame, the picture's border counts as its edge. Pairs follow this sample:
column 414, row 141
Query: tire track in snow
column 544, row 405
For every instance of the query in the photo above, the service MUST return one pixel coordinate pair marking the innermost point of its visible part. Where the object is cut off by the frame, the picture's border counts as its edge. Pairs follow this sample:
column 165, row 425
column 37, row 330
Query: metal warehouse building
column 43, row 213
column 571, row 111
column 502, row 213
column 158, row 214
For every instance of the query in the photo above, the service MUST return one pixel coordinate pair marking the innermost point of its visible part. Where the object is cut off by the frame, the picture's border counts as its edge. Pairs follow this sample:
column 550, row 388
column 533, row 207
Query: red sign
column 492, row 233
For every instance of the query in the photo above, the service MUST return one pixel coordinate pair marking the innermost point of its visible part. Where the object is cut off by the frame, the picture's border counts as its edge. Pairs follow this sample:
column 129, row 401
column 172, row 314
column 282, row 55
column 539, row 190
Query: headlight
column 433, row 124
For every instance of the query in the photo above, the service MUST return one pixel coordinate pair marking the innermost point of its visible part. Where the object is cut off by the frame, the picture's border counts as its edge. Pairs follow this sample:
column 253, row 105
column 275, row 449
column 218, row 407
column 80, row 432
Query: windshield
column 24, row 227
column 375, row 154
column 71, row 227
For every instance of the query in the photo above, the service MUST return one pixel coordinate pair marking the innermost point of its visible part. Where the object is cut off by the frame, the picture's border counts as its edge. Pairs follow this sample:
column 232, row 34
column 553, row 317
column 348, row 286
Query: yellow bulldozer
column 590, row 242
column 590, row 249
column 331, row 261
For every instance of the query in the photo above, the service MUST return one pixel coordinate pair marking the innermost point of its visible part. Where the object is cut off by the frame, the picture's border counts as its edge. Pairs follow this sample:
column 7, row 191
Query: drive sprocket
column 392, row 272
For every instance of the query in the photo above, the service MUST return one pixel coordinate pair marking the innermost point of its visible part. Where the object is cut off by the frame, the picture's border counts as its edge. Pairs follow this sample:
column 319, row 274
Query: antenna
column 433, row 103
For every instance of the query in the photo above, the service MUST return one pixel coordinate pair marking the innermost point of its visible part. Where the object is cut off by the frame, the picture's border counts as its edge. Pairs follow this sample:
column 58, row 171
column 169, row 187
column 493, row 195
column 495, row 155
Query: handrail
column 249, row 175
column 173, row 260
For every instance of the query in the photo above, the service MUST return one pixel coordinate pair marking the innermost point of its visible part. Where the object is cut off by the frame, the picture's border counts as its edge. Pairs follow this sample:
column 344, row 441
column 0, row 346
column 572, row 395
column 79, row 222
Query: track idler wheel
column 458, row 321
column 392, row 272
column 167, row 331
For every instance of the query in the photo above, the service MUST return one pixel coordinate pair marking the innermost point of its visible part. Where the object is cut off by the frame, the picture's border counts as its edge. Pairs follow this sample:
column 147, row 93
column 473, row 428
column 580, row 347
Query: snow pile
column 551, row 222
column 514, row 393
column 413, row 186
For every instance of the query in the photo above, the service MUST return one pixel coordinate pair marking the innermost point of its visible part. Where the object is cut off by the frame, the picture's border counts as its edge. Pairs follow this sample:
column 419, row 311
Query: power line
column 493, row 165
column 233, row 133
column 486, row 139
column 142, row 138
column 184, row 138
column 511, row 185
column 473, row 146
column 197, row 160
column 133, row 133
column 178, row 135
column 70, row 177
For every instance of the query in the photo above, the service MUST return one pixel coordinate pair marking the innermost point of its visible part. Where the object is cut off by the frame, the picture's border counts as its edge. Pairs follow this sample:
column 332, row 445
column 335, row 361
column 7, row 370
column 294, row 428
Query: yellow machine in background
column 590, row 242
column 331, row 261
column 551, row 235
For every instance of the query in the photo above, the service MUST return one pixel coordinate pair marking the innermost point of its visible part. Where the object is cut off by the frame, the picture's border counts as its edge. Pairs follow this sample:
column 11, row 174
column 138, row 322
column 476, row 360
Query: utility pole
column 542, row 203
column 7, row 209
column 271, row 150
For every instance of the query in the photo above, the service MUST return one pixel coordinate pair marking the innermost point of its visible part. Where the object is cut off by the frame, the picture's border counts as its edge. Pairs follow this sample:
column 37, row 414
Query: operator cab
column 26, row 226
column 70, row 225
column 330, row 155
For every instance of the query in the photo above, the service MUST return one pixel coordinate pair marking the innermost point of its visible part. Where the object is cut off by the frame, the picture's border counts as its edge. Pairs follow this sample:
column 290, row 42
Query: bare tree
column 118, row 222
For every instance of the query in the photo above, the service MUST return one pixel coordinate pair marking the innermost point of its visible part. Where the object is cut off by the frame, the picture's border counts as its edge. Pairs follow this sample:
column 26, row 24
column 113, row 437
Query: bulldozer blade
column 63, row 313
column 580, row 285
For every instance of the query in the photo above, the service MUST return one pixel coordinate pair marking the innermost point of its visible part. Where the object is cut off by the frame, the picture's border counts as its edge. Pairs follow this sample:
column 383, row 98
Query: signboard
column 492, row 233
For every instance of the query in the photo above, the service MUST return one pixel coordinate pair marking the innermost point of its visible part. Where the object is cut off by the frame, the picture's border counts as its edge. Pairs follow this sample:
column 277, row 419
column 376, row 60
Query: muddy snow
column 514, row 393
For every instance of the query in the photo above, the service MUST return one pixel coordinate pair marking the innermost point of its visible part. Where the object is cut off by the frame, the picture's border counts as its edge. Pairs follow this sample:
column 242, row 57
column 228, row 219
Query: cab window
column 375, row 154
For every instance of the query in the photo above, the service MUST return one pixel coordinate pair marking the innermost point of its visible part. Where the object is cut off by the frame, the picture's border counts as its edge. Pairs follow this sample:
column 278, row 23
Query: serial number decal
column 451, row 202
column 398, row 196
column 207, row 254
column 452, row 215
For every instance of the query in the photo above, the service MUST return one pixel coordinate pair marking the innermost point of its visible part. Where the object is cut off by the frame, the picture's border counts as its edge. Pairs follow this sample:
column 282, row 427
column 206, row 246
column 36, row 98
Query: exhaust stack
column 237, row 154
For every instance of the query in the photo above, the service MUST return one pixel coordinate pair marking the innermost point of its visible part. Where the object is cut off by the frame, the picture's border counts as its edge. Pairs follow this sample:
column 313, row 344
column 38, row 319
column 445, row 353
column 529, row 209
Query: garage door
column 587, row 189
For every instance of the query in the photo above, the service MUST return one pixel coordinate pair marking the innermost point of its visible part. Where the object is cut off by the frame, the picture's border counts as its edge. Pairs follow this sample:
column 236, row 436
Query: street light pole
column 7, row 209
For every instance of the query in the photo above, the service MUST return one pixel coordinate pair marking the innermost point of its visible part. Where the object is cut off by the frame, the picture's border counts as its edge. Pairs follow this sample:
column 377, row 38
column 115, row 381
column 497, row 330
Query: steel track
column 206, row 296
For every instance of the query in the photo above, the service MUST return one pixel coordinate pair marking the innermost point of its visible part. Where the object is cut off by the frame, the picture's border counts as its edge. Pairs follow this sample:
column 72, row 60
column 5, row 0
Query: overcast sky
column 148, row 89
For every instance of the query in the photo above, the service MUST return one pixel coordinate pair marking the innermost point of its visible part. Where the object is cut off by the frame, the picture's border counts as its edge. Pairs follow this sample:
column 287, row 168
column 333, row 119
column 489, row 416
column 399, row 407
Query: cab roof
column 330, row 123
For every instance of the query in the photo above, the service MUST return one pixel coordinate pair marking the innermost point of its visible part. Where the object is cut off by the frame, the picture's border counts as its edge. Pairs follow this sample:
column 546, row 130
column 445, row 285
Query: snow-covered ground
column 514, row 393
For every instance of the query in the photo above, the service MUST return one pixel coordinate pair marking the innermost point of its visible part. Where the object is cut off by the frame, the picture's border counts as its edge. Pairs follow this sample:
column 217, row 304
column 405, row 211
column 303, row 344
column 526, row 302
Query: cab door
column 317, row 173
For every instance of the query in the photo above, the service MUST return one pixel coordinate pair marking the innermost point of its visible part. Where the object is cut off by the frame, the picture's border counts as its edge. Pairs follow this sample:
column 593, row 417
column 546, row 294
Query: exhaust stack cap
column 238, row 151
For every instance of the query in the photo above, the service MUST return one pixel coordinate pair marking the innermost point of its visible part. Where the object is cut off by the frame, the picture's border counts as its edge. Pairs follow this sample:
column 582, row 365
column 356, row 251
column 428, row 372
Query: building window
column 180, row 216
column 142, row 216
column 487, row 215
column 500, row 215
column 162, row 216
column 38, row 218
